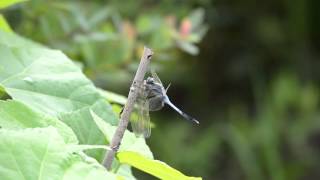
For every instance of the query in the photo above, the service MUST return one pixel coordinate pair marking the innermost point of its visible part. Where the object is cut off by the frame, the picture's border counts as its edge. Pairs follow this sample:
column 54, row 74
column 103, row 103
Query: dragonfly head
column 150, row 80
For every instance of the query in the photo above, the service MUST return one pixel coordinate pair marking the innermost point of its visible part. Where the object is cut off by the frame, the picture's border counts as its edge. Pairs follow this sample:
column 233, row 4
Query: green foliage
column 13, row 116
column 41, row 153
column 282, row 118
column 4, row 4
column 254, row 85
column 134, row 152
column 55, row 107
column 4, row 25
column 7, row 3
column 105, row 40
column 113, row 97
column 154, row 167
column 56, row 85
column 129, row 143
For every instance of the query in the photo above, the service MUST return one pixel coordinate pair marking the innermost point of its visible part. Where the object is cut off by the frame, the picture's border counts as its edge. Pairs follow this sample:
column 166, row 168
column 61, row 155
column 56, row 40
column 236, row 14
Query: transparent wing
column 144, row 118
column 155, row 76
column 140, row 119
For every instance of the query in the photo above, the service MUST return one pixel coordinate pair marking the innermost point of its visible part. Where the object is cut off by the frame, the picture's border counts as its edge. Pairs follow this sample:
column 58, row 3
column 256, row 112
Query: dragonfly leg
column 135, row 86
column 116, row 147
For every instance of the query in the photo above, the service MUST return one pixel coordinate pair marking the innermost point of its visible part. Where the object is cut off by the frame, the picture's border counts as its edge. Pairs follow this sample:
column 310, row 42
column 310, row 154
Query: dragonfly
column 152, row 96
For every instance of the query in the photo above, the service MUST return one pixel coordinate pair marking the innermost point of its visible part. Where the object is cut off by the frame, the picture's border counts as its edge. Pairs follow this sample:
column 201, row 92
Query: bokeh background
column 247, row 70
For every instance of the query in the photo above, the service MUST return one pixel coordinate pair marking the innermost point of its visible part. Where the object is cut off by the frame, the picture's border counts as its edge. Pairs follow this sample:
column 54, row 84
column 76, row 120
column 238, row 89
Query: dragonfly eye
column 150, row 80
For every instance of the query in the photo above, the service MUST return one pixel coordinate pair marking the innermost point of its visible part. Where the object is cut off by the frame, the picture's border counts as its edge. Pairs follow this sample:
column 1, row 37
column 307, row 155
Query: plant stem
column 124, row 119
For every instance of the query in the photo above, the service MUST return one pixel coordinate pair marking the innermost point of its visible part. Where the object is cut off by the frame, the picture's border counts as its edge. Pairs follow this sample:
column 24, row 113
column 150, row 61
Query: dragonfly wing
column 155, row 76
column 134, row 121
column 145, row 119
column 140, row 119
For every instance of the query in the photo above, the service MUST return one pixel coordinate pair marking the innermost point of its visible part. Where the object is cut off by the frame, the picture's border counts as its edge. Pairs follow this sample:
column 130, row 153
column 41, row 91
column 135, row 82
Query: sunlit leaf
column 113, row 97
column 117, row 109
column 4, row 24
column 6, row 3
column 154, row 167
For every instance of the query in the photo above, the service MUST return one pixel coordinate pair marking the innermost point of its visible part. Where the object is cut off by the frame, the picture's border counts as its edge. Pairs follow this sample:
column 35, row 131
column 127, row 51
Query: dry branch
column 124, row 118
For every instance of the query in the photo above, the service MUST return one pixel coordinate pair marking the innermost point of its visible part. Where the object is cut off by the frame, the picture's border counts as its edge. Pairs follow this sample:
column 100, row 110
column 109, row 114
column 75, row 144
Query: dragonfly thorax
column 155, row 94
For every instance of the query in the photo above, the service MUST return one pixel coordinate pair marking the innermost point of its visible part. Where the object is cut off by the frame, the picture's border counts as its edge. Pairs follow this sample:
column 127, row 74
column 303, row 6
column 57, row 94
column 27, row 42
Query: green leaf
column 15, row 115
column 145, row 23
column 154, row 167
column 85, row 128
column 129, row 142
column 14, row 40
column 41, row 153
column 6, row 3
column 188, row 47
column 113, row 97
column 126, row 172
column 99, row 17
column 162, row 38
column 47, row 81
column 4, row 24
column 196, row 18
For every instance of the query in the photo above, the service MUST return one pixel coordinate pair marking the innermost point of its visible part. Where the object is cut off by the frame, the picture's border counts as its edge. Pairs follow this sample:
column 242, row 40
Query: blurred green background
column 247, row 70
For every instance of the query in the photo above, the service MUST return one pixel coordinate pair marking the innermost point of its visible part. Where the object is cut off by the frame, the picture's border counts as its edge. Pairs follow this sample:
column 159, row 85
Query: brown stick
column 124, row 119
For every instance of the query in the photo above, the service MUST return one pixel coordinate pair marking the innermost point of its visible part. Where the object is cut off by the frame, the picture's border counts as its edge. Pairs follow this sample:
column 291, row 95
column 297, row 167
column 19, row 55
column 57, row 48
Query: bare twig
column 124, row 119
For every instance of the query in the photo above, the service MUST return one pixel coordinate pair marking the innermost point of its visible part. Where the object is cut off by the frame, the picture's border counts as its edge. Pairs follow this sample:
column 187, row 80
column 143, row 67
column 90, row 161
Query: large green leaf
column 41, row 153
column 15, row 115
column 47, row 81
column 14, row 40
column 154, row 167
